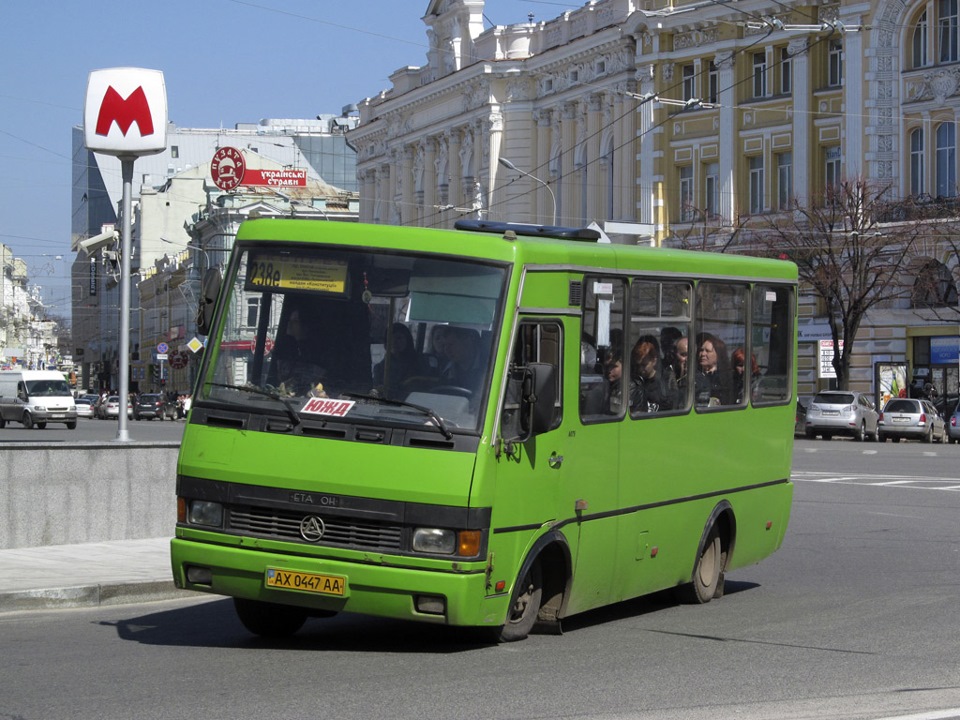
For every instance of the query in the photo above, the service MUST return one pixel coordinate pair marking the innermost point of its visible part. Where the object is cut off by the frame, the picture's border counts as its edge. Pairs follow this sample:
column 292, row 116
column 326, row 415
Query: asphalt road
column 855, row 617
column 90, row 430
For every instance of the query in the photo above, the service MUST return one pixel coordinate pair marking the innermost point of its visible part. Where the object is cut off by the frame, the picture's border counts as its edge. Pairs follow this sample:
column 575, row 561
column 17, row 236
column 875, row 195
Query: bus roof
column 524, row 249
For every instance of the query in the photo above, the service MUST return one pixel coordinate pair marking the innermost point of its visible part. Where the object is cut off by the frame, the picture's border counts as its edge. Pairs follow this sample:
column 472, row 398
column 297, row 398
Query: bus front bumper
column 450, row 598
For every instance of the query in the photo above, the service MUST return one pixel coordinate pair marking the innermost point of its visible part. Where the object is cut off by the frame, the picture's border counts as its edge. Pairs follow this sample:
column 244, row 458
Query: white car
column 84, row 407
column 111, row 408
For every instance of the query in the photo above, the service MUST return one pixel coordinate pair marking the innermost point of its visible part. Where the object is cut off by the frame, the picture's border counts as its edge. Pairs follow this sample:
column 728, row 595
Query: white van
column 36, row 397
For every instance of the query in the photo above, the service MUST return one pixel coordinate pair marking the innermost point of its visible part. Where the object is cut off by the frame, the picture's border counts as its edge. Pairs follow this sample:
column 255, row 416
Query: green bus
column 496, row 426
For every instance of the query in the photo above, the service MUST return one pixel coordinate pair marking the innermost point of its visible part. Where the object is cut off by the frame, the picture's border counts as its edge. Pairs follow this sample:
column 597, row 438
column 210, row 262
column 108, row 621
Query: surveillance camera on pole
column 98, row 242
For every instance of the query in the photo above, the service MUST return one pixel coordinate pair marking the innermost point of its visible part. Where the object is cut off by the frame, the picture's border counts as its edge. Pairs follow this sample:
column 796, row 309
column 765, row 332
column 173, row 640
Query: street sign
column 162, row 348
column 161, row 356
column 119, row 99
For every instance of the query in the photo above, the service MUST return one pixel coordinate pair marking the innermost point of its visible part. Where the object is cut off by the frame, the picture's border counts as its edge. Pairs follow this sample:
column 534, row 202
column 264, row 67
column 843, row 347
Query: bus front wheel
column 524, row 605
column 707, row 572
column 269, row 619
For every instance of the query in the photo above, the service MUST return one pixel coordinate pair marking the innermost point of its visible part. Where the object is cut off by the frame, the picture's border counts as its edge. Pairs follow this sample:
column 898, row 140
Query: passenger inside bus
column 613, row 371
column 713, row 383
column 464, row 367
column 650, row 390
column 739, row 375
column 401, row 363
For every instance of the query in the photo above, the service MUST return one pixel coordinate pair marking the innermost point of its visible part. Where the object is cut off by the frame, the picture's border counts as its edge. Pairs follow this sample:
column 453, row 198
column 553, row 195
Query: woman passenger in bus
column 650, row 388
column 713, row 382
column 738, row 359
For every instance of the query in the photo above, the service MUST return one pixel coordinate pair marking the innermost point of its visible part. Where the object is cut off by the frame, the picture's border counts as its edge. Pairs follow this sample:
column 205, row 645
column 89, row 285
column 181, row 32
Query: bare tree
column 846, row 256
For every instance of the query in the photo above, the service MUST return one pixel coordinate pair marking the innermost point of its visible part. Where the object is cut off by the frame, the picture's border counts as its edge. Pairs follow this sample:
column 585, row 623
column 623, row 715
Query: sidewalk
column 86, row 575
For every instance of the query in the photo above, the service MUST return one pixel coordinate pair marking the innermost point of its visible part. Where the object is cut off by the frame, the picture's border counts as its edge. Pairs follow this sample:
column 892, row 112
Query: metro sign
column 125, row 113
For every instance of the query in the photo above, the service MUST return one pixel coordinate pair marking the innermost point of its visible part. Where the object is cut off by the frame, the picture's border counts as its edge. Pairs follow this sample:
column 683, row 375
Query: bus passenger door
column 529, row 472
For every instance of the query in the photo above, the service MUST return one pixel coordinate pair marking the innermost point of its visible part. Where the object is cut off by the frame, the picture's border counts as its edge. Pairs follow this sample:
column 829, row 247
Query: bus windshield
column 348, row 335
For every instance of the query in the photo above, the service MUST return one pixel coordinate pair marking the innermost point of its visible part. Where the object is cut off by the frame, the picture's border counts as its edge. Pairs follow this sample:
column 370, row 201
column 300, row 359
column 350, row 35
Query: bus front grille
column 338, row 531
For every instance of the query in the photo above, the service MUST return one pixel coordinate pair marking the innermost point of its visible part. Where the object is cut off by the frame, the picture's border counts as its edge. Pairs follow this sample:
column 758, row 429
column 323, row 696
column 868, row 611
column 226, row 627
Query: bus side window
column 602, row 384
column 721, row 327
column 772, row 315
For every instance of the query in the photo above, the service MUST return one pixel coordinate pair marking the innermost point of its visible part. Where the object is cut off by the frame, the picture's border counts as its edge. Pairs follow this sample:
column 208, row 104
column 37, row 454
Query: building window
column 835, row 63
column 784, row 181
column 689, row 73
column 713, row 83
column 712, row 189
column 759, row 75
column 253, row 311
column 831, row 180
column 920, row 42
column 917, row 185
column 687, row 204
column 756, row 184
column 174, row 151
column 946, row 159
column 786, row 72
column 947, row 30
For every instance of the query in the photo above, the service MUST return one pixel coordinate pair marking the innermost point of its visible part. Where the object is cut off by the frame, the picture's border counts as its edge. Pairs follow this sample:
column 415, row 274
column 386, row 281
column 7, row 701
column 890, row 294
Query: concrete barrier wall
column 86, row 492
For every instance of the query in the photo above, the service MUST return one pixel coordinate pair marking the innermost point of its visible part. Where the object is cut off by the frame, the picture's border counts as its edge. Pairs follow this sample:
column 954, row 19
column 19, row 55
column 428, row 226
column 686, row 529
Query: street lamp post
column 510, row 166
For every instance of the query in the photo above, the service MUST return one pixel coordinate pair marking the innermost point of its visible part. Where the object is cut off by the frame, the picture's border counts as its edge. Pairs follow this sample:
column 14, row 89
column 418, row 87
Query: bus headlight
column 206, row 513
column 435, row 541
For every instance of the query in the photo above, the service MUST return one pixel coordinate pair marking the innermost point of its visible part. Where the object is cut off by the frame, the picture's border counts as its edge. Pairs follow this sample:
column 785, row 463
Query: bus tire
column 269, row 620
column 707, row 572
column 524, row 605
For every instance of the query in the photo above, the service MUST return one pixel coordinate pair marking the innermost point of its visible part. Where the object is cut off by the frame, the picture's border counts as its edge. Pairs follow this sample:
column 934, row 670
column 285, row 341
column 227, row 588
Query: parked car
column 953, row 425
column 911, row 418
column 153, row 405
column 84, row 407
column 111, row 408
column 842, row 412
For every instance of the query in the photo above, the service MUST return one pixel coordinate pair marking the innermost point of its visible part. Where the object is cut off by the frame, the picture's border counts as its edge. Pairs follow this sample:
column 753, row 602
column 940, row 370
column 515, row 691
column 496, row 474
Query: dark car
column 799, row 424
column 153, row 405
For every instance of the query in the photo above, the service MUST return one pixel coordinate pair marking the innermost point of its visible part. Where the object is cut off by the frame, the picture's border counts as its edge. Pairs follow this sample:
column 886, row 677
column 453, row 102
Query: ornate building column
column 729, row 150
column 646, row 148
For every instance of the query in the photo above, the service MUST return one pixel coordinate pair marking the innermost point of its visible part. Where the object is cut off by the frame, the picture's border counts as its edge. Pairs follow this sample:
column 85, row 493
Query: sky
column 224, row 62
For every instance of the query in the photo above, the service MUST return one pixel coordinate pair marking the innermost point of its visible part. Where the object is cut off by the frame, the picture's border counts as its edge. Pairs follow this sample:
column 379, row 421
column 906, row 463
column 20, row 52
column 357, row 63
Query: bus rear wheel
column 707, row 572
column 269, row 620
column 524, row 605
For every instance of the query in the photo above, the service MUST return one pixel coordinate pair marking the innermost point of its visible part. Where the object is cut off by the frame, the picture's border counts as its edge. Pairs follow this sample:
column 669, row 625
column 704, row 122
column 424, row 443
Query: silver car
column 953, row 425
column 842, row 412
column 912, row 419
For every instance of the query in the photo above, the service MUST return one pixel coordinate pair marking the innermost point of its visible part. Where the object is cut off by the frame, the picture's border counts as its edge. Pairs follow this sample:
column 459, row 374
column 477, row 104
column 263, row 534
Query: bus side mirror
column 540, row 397
column 209, row 290
column 530, row 401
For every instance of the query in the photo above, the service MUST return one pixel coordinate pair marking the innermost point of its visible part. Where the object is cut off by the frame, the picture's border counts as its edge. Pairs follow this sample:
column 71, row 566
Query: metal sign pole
column 126, row 164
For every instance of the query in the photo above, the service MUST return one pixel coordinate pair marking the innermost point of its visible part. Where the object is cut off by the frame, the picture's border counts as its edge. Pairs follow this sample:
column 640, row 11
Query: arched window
column 946, row 159
column 920, row 42
column 917, row 185
column 934, row 286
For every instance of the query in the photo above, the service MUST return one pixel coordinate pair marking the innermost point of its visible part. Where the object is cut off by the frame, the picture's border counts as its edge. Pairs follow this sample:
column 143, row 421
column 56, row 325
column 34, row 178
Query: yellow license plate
column 306, row 582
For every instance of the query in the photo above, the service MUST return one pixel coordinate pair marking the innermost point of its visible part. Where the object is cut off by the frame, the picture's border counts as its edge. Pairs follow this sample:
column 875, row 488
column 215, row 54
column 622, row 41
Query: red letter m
column 125, row 112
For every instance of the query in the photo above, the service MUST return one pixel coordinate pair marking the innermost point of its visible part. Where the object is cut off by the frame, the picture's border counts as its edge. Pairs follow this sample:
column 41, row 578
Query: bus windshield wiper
column 291, row 412
column 438, row 421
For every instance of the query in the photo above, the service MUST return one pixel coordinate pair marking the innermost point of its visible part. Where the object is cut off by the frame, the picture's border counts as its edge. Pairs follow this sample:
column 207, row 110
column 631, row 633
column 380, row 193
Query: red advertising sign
column 125, row 113
column 276, row 178
column 228, row 168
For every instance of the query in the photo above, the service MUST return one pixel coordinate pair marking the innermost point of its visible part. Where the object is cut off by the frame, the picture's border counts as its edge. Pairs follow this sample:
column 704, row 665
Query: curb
column 95, row 595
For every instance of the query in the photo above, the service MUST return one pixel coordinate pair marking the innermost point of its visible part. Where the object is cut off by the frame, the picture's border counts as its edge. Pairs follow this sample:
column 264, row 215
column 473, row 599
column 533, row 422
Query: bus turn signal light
column 469, row 545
